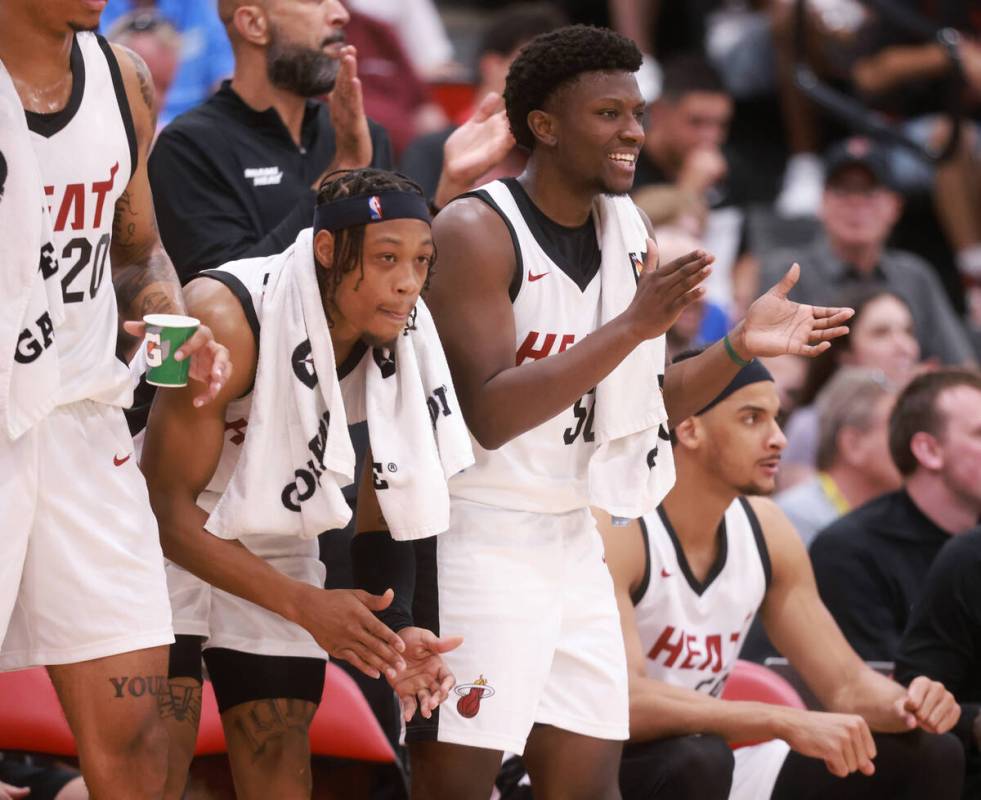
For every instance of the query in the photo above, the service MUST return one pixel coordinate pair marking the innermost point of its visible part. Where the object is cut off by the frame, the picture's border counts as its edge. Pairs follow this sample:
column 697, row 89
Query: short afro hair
column 554, row 59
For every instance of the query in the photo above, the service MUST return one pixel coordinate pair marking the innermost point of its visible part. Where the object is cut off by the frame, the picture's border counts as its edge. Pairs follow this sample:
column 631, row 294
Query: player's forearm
column 147, row 284
column 223, row 563
column 692, row 384
column 870, row 695
column 895, row 66
column 659, row 710
column 520, row 398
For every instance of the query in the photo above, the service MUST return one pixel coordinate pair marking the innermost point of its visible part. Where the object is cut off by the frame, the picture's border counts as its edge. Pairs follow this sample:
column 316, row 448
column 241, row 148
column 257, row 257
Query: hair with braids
column 349, row 242
column 554, row 59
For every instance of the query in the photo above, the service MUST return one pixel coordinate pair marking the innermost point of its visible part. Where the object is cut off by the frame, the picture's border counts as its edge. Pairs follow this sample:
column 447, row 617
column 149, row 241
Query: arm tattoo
column 136, row 266
column 146, row 84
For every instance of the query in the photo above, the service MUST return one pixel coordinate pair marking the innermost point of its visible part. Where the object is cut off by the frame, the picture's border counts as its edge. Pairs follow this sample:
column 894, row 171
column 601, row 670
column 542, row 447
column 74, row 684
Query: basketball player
column 689, row 580
column 520, row 572
column 82, row 586
column 268, row 620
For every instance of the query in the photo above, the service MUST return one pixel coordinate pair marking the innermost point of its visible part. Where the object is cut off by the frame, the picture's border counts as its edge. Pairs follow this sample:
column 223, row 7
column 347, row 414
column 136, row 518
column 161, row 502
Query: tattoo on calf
column 267, row 720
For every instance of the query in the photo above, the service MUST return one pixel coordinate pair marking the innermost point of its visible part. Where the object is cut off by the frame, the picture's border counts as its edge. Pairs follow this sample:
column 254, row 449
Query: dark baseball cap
column 858, row 151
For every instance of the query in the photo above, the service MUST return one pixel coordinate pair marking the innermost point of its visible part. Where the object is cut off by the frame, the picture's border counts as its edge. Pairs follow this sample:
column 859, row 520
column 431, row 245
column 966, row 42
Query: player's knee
column 139, row 748
column 942, row 757
column 703, row 764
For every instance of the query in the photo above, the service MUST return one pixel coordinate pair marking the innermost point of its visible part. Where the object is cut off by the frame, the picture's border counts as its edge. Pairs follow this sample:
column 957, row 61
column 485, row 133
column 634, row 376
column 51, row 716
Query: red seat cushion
column 31, row 719
column 749, row 681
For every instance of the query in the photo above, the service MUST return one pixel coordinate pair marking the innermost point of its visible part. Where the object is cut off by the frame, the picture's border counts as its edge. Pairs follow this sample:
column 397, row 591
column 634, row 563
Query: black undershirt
column 574, row 250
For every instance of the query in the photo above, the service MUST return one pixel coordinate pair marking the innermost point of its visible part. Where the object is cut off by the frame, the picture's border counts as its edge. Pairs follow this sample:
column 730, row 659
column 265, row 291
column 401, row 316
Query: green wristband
column 733, row 355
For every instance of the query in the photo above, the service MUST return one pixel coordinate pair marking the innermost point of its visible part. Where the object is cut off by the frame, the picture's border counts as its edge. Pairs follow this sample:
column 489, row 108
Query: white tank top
column 692, row 633
column 545, row 469
column 247, row 280
column 87, row 155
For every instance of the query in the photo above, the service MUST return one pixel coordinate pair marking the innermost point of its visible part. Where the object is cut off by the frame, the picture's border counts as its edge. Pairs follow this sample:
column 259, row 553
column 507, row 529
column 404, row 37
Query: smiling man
column 535, row 322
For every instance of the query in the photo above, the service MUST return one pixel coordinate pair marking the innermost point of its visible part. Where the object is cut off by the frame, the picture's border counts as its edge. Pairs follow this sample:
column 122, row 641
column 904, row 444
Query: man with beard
column 689, row 580
column 235, row 177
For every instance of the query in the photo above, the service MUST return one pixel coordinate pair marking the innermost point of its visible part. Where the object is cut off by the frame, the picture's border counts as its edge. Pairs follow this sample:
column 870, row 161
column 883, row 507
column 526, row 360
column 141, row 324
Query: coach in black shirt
column 943, row 640
column 870, row 564
column 236, row 177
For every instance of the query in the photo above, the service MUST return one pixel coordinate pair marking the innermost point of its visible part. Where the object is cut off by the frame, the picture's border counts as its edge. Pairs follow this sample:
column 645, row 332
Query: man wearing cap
column 689, row 580
column 859, row 209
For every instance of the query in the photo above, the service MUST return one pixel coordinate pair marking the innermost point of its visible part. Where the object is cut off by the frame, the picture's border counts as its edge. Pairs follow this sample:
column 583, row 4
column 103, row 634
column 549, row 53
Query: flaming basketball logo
column 470, row 696
column 375, row 207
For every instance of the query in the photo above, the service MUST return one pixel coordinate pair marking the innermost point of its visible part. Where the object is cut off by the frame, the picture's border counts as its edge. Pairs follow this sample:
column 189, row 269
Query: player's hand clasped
column 663, row 291
column 928, row 705
column 843, row 741
column 210, row 363
column 343, row 623
column 426, row 681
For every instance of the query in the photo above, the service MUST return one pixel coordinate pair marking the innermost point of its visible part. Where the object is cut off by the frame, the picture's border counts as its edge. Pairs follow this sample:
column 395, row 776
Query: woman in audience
column 882, row 337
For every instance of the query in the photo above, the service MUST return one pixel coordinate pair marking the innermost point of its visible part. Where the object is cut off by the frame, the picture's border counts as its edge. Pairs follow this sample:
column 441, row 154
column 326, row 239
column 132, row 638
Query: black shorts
column 43, row 779
column 244, row 677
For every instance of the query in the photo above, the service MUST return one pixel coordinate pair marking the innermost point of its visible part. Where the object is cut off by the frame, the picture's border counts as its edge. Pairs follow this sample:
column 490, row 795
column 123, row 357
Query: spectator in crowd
column 684, row 176
column 852, row 452
column 859, row 209
column 236, row 177
column 205, row 55
column 394, row 95
column 154, row 39
column 789, row 373
column 510, row 29
column 870, row 564
column 909, row 77
column 881, row 337
column 943, row 641
column 46, row 780
column 420, row 29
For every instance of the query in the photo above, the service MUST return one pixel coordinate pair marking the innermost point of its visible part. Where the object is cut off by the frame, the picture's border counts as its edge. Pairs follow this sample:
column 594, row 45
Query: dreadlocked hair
column 349, row 242
column 554, row 59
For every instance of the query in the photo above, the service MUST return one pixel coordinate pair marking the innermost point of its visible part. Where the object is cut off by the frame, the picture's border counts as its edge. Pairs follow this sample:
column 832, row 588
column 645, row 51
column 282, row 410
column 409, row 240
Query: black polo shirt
column 943, row 640
column 229, row 182
column 870, row 566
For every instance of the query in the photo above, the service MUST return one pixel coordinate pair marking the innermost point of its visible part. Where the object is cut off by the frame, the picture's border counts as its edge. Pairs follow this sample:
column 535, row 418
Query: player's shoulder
column 216, row 305
column 779, row 534
column 472, row 218
column 140, row 92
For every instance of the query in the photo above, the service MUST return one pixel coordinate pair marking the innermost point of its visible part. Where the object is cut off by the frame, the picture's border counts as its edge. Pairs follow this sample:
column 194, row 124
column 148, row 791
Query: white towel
column 289, row 476
column 632, row 468
column 298, row 453
column 31, row 291
column 416, row 430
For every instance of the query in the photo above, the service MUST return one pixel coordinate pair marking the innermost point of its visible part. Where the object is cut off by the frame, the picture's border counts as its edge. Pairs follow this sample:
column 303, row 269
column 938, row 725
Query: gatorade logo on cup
column 154, row 351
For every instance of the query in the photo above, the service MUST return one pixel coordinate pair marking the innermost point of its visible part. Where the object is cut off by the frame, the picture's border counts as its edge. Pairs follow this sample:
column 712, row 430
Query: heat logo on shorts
column 375, row 207
column 470, row 696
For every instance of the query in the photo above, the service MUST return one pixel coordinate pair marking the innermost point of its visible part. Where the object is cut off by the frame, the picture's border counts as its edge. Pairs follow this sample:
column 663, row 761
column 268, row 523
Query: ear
column 543, row 127
column 689, row 433
column 895, row 206
column 850, row 445
column 252, row 25
column 323, row 249
column 927, row 451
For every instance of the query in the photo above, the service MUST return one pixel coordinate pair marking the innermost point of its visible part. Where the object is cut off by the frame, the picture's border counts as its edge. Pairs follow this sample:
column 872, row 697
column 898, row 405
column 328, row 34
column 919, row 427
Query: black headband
column 753, row 372
column 365, row 209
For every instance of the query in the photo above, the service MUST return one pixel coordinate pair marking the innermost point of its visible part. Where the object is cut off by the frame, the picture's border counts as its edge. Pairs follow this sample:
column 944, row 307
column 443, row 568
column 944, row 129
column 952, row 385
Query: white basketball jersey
column 692, row 632
column 87, row 154
column 247, row 280
column 546, row 468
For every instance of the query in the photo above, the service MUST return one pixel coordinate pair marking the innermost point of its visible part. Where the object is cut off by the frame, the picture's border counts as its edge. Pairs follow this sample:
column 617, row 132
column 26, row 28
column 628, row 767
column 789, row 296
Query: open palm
column 776, row 326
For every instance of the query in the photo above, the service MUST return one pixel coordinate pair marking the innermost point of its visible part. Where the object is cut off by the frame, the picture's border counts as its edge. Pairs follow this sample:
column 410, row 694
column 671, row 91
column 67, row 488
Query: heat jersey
column 692, row 632
column 247, row 280
column 87, row 153
column 546, row 468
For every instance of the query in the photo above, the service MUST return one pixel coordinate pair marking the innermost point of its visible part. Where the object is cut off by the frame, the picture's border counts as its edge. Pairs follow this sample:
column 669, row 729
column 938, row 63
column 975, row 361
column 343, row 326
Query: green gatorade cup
column 165, row 333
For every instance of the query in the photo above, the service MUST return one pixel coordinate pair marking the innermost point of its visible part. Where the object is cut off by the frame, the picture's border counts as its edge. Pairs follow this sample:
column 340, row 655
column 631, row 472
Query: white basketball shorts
column 81, row 570
column 231, row 622
column 757, row 769
column 532, row 597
